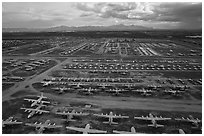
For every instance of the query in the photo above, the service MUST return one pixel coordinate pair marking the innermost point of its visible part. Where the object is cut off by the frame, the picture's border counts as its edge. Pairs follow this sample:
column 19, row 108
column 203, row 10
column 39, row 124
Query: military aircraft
column 132, row 131
column 174, row 92
column 103, row 86
column 153, row 120
column 89, row 91
column 181, row 131
column 71, row 114
column 10, row 121
column 116, row 91
column 190, row 119
column 35, row 111
column 77, row 85
column 46, row 83
column 86, row 130
column 40, row 127
column 39, row 100
column 111, row 116
column 144, row 92
column 61, row 89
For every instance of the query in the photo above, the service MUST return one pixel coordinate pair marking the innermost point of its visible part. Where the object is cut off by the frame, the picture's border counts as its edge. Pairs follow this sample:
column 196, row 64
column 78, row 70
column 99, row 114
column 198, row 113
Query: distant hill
column 119, row 27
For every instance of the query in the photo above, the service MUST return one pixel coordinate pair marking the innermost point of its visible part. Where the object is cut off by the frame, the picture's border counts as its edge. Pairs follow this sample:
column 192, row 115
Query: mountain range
column 119, row 27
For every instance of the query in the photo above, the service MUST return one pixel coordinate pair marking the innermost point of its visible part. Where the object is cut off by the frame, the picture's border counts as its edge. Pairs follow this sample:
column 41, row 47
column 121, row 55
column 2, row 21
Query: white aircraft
column 10, row 121
column 181, row 131
column 61, row 89
column 174, row 92
column 153, row 120
column 46, row 83
column 71, row 114
column 86, row 130
column 144, row 92
column 40, row 127
column 103, row 86
column 116, row 91
column 132, row 131
column 111, row 116
column 89, row 91
column 35, row 111
column 39, row 100
column 190, row 119
column 77, row 85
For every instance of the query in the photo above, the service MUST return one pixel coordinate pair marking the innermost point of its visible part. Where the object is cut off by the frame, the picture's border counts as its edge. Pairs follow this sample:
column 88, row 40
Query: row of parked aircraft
column 41, row 126
column 171, row 82
column 90, row 90
column 112, row 116
column 127, row 82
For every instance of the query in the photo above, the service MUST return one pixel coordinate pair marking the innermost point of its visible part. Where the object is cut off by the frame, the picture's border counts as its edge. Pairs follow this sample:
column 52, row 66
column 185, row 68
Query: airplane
column 10, row 121
column 153, row 120
column 111, row 116
column 132, row 131
column 71, row 114
column 39, row 100
column 181, row 131
column 35, row 111
column 116, row 91
column 174, row 92
column 46, row 83
column 190, row 119
column 86, row 130
column 154, row 124
column 40, row 127
column 103, row 86
column 61, row 89
column 89, row 90
column 77, row 85
column 144, row 92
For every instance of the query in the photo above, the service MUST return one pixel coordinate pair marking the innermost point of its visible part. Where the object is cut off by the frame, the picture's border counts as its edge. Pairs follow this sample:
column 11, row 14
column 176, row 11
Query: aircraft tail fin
column 181, row 131
column 133, row 130
column 107, row 122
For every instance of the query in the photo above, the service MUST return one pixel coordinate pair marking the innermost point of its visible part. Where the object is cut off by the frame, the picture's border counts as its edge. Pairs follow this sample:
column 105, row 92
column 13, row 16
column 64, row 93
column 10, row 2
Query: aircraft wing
column 53, row 126
column 121, row 132
column 102, row 115
column 62, row 113
column 96, row 131
column 80, row 114
column 161, row 118
column 32, row 124
column 41, row 111
column 143, row 118
column 11, row 122
column 149, row 118
column 76, row 129
column 36, row 110
column 27, row 109
column 44, row 102
column 70, row 113
column 119, row 116
column 187, row 120
column 9, row 119
column 107, row 116
column 30, row 100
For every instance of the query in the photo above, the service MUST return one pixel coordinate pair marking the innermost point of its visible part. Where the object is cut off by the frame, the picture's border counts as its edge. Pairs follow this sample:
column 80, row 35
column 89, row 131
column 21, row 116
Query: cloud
column 159, row 15
column 116, row 10
column 186, row 14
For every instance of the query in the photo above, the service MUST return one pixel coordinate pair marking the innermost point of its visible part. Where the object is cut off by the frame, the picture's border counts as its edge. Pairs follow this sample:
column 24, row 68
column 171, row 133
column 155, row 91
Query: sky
column 182, row 15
